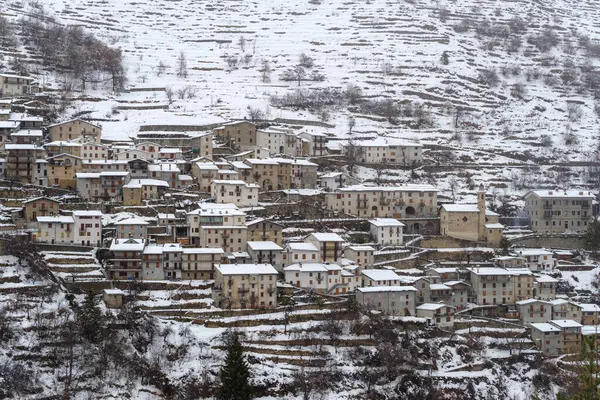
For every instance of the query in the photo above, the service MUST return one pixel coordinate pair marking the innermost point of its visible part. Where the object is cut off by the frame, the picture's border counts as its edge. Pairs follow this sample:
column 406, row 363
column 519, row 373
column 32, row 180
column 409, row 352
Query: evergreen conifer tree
column 89, row 318
column 591, row 239
column 235, row 373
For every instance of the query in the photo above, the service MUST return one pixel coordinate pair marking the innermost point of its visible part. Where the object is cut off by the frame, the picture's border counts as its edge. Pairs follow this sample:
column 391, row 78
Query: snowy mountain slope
column 389, row 49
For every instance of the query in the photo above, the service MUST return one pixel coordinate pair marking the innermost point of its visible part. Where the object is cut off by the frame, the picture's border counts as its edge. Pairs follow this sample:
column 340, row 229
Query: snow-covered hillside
column 389, row 49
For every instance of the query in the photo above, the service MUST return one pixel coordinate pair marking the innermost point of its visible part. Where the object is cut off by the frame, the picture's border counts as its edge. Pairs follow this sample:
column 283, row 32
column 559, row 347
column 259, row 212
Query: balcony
column 547, row 205
column 547, row 216
column 361, row 203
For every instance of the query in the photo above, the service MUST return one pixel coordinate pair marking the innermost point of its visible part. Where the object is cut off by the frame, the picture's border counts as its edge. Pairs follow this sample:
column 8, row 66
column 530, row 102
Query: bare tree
column 161, row 68
column 351, row 124
column 242, row 43
column 169, row 92
column 265, row 71
column 353, row 93
column 300, row 73
column 255, row 114
column 182, row 71
column 306, row 61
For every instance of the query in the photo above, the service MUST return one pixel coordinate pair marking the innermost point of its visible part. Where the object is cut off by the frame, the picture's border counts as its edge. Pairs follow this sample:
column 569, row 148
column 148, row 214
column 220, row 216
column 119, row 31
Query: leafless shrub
column 544, row 41
column 489, row 76
column 353, row 93
column 161, row 68
column 464, row 26
column 518, row 91
column 545, row 141
column 574, row 111
column 255, row 114
column 305, row 61
column 169, row 93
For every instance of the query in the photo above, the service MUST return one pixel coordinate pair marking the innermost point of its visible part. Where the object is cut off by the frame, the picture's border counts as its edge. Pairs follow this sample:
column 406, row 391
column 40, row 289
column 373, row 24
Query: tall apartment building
column 22, row 161
column 558, row 211
column 218, row 225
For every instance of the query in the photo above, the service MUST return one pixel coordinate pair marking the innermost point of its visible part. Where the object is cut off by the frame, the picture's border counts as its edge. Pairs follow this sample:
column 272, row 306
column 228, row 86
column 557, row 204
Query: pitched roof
column 246, row 269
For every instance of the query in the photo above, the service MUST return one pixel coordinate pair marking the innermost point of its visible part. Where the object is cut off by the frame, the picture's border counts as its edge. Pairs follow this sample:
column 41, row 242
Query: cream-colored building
column 399, row 202
column 62, row 170
column 279, row 140
column 471, row 222
column 387, row 231
column 318, row 277
column 328, row 244
column 389, row 151
column 239, row 135
column 14, row 85
column 55, row 230
column 361, row 255
column 493, row 285
column 22, row 161
column 75, row 129
column 534, row 311
column 437, row 314
column 304, row 173
column 102, row 186
column 559, row 211
column 245, row 286
column 264, row 229
column 136, row 191
column 268, row 173
column 235, row 192
column 392, row 300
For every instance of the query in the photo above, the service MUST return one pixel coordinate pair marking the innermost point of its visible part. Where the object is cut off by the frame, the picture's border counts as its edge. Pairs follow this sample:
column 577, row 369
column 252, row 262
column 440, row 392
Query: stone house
column 245, row 286
column 392, row 300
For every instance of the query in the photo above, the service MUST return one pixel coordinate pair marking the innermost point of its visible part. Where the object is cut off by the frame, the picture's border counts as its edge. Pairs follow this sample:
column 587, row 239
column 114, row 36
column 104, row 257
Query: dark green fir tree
column 235, row 374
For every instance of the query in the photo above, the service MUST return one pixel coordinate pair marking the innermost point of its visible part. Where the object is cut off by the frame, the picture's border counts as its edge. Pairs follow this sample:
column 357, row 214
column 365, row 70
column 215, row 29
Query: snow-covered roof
column 530, row 301
column 330, row 175
column 443, row 270
column 361, row 247
column 14, row 146
column 28, row 133
column 164, row 167
column 59, row 219
column 565, row 323
column 381, row 141
column 494, row 226
column 114, row 292
column 489, row 271
column 327, row 237
column 261, row 161
column 170, row 150
column 127, row 245
column 533, row 252
column 73, row 120
column 203, row 250
column 439, row 286
column 561, row 194
column 454, row 283
column 463, row 208
column 87, row 213
column 229, row 182
column 405, row 188
column 432, row 306
column 246, row 269
column 132, row 221
column 585, row 307
column 139, row 183
column 301, row 246
column 376, row 289
column 545, row 327
column 153, row 249
column 264, row 245
column 313, row 267
column 546, row 279
column 382, row 222
column 63, row 144
column 380, row 274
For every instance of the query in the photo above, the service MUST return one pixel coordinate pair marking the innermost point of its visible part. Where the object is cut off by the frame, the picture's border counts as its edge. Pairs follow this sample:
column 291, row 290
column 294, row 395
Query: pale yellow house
column 75, row 129
column 263, row 229
column 138, row 190
column 245, row 286
column 62, row 170
column 471, row 222
column 240, row 135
